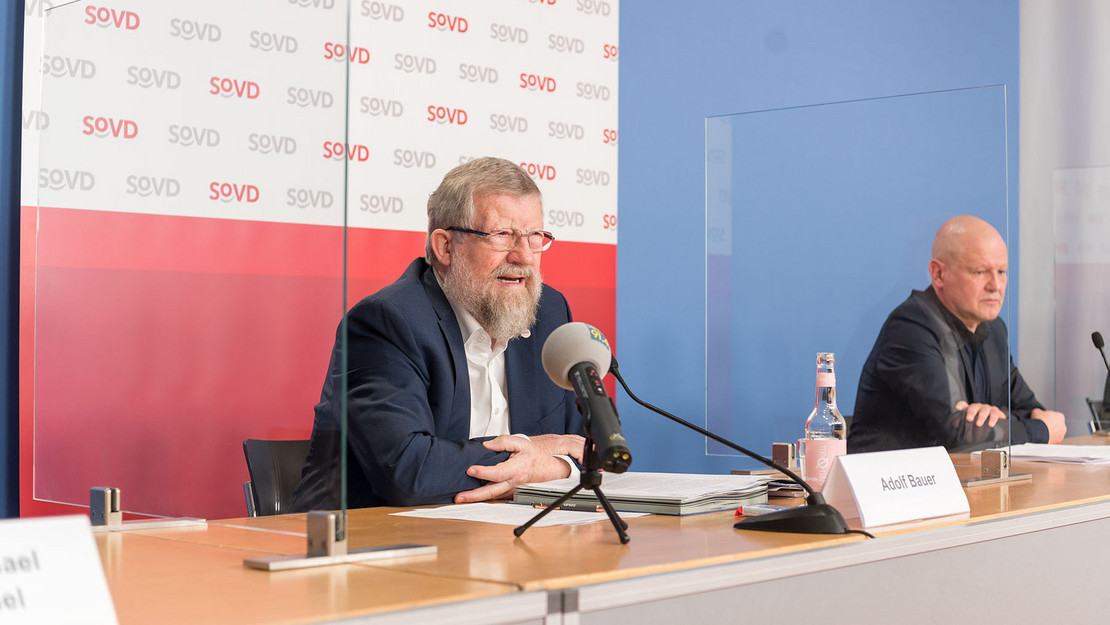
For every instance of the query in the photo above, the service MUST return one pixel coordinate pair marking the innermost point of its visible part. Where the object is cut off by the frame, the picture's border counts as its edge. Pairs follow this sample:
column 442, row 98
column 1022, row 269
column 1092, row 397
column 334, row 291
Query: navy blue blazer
column 408, row 400
column 918, row 370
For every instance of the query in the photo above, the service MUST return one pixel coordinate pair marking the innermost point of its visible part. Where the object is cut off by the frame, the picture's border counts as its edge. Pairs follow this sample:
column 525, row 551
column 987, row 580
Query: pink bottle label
column 826, row 379
column 819, row 456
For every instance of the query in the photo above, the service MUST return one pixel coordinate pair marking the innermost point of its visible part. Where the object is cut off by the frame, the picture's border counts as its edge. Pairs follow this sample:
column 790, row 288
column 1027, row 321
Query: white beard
column 503, row 314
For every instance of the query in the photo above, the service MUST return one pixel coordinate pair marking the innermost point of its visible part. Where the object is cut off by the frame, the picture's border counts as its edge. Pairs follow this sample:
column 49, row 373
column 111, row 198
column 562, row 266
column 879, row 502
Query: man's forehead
column 982, row 247
column 502, row 210
column 984, row 259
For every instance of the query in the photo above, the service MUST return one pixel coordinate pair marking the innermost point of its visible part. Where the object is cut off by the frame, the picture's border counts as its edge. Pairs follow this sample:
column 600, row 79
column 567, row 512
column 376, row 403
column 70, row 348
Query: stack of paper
column 660, row 493
column 1077, row 454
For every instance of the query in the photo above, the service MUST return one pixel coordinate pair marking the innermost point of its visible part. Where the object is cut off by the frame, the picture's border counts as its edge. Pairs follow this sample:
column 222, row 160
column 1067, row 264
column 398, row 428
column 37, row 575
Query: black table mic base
column 589, row 479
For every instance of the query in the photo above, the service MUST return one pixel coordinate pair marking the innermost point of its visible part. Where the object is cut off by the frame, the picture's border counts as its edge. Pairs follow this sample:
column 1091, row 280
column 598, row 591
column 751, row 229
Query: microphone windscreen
column 573, row 343
column 1097, row 338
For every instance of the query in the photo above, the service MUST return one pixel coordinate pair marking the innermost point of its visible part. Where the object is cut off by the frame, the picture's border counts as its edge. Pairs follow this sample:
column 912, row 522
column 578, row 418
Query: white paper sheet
column 509, row 514
column 1073, row 454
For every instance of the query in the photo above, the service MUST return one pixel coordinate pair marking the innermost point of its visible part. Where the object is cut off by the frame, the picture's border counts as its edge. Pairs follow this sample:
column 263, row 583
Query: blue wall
column 11, row 76
column 683, row 62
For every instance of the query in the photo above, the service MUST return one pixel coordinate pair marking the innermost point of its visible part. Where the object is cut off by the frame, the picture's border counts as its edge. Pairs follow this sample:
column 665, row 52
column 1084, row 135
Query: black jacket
column 918, row 370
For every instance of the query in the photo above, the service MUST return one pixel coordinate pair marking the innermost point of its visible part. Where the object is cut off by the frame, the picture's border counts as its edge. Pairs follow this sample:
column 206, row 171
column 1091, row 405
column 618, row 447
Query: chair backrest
column 275, row 470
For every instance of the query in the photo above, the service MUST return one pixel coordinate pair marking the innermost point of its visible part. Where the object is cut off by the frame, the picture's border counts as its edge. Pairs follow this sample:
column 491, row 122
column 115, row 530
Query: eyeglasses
column 506, row 239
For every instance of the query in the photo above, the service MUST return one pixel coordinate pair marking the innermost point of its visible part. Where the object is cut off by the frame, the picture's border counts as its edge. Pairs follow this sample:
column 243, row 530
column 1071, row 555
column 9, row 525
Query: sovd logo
column 308, row 198
column 190, row 136
column 410, row 63
column 68, row 67
column 273, row 42
column 507, row 123
column 565, row 43
column 146, row 186
column 303, row 96
column 271, row 144
column 593, row 7
column 413, row 158
column 36, row 119
column 147, row 77
column 446, row 115
column 338, row 52
column 233, row 87
column 105, row 127
column 380, row 107
column 334, row 150
column 62, row 179
column 105, row 17
column 380, row 204
column 508, row 34
column 565, row 130
column 533, row 82
column 233, row 192
column 443, row 21
column 477, row 73
column 609, row 136
column 191, row 30
column 383, row 11
column 536, row 170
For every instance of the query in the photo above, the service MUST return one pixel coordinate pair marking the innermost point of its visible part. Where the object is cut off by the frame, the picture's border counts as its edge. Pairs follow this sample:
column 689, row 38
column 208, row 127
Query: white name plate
column 888, row 487
column 50, row 572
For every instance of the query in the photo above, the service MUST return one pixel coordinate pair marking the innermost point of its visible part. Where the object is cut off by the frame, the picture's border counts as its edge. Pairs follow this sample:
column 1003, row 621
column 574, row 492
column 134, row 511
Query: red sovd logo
column 537, row 170
column 233, row 192
column 443, row 21
column 609, row 136
column 447, row 115
column 338, row 52
column 233, row 87
column 534, row 82
column 109, row 127
column 609, row 52
column 335, row 150
column 106, row 17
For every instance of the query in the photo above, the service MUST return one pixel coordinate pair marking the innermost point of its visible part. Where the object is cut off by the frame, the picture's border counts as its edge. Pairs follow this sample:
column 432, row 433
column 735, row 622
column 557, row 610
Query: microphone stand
column 816, row 517
column 590, row 479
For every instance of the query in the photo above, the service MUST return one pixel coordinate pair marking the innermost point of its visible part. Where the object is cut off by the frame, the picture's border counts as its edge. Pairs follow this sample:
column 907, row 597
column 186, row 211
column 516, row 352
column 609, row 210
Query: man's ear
column 936, row 273
column 442, row 247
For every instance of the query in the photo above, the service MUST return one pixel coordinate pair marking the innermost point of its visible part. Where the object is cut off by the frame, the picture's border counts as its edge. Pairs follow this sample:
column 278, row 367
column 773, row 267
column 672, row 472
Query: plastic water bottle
column 826, row 431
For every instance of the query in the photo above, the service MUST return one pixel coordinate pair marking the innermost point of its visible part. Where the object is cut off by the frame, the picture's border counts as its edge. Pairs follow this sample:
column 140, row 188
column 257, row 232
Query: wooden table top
column 572, row 555
column 155, row 578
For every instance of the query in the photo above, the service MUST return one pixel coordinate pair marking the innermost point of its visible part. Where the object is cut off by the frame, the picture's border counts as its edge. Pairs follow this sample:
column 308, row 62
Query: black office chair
column 275, row 470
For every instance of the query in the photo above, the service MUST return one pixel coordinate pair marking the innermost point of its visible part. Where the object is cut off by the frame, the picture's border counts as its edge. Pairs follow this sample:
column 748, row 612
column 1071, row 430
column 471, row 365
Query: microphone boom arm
column 816, row 517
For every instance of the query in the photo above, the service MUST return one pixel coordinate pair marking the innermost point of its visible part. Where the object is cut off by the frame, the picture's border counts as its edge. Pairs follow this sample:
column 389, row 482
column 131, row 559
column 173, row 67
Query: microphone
column 572, row 356
column 816, row 517
column 1096, row 338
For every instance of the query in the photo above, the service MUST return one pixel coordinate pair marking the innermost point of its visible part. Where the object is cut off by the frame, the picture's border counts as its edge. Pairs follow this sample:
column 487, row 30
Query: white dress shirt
column 485, row 362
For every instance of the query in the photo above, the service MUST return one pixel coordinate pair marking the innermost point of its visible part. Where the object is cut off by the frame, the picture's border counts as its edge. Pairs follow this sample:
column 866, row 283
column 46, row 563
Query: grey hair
column 452, row 204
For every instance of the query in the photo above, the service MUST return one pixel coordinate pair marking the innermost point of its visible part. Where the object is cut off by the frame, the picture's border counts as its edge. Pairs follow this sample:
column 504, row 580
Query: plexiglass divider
column 189, row 256
column 820, row 221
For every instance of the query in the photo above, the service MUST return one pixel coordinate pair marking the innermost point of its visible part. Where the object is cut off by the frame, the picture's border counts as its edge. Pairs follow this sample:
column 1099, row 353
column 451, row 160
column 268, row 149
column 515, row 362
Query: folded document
column 659, row 493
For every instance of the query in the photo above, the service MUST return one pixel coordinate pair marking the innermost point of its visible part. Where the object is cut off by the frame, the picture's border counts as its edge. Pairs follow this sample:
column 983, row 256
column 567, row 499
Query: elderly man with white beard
column 447, row 399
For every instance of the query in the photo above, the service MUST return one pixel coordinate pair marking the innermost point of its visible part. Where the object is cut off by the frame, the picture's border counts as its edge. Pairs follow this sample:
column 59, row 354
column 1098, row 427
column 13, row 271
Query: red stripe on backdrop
column 150, row 346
